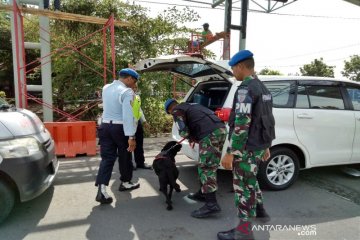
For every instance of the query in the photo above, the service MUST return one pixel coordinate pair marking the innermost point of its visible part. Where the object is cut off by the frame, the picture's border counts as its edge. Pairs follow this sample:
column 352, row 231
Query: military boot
column 102, row 196
column 242, row 232
column 261, row 214
column 198, row 196
column 210, row 208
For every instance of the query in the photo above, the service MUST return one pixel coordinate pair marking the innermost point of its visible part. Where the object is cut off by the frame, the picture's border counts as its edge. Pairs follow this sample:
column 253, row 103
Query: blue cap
column 168, row 103
column 240, row 56
column 129, row 71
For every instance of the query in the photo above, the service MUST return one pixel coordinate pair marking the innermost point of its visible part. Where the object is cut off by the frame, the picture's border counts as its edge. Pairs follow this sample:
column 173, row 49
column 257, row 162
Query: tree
column 352, row 68
column 267, row 71
column 147, row 37
column 6, row 65
column 317, row 68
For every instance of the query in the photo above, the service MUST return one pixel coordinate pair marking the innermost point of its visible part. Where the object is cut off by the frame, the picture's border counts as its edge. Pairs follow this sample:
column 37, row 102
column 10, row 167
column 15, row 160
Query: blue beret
column 240, row 56
column 168, row 103
column 129, row 71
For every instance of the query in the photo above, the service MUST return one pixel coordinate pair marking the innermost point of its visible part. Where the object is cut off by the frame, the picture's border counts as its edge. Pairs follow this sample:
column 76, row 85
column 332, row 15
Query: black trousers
column 139, row 150
column 113, row 145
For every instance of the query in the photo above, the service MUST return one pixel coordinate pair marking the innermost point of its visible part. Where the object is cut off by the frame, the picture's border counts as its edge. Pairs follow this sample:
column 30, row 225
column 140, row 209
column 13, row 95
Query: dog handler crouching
column 200, row 125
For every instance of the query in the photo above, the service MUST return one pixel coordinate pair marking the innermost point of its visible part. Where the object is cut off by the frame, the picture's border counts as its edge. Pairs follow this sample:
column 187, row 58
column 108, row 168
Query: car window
column 282, row 92
column 193, row 69
column 354, row 94
column 302, row 99
column 321, row 97
column 210, row 94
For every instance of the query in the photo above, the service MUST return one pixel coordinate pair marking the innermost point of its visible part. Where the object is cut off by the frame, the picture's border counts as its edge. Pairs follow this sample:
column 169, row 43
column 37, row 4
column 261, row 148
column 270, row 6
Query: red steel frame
column 22, row 71
column 21, row 87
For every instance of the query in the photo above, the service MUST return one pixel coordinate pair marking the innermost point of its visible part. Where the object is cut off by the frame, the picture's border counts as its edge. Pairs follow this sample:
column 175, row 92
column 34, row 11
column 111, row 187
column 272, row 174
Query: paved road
column 324, row 200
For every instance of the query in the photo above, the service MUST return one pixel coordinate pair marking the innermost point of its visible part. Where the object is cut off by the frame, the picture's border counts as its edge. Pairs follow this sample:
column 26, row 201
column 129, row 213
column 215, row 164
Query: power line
column 300, row 65
column 322, row 51
column 282, row 14
column 237, row 9
column 313, row 16
column 284, row 58
column 178, row 5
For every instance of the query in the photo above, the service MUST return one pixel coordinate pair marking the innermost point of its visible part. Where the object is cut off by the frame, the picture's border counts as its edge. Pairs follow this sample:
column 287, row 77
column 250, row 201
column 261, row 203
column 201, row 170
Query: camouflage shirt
column 242, row 103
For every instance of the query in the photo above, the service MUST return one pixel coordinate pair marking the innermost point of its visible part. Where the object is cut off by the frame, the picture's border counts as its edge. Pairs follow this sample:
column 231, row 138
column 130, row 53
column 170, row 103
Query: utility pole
column 228, row 26
column 243, row 22
column 46, row 79
column 19, row 46
column 227, row 29
column 272, row 5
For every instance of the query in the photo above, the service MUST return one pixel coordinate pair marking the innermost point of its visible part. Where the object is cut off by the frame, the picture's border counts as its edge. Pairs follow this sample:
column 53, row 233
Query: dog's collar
column 160, row 156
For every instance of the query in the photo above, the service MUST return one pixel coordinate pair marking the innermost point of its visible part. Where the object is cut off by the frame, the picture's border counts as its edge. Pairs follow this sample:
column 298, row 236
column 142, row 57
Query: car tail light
column 223, row 113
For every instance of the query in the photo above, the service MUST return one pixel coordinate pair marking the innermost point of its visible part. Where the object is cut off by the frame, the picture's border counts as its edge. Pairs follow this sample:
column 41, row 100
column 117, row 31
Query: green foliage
column 267, row 71
column 317, row 68
column 2, row 94
column 6, row 66
column 155, row 89
column 147, row 37
column 158, row 120
column 75, row 77
column 352, row 68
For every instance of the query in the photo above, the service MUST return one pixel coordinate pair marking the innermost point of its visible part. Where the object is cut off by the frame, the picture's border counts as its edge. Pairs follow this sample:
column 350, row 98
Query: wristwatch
column 132, row 137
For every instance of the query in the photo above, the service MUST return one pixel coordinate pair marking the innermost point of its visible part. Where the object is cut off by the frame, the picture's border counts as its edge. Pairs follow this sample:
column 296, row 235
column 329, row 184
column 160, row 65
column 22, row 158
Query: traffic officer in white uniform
column 117, row 133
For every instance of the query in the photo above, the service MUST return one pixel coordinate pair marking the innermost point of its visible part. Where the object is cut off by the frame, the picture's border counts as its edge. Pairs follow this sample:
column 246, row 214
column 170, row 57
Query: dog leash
column 179, row 142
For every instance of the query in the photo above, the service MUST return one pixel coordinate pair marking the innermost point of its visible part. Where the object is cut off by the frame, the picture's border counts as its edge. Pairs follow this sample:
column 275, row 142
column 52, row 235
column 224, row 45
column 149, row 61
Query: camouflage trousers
column 246, row 186
column 210, row 149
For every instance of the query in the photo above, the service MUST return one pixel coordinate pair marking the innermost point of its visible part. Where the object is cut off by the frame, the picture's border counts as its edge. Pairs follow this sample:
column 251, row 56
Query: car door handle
column 304, row 116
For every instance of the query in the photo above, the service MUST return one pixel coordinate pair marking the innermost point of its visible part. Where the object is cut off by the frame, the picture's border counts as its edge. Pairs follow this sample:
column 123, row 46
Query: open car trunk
column 194, row 67
column 213, row 84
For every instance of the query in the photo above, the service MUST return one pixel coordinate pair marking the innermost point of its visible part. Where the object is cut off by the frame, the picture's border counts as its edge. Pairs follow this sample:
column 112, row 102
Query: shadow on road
column 141, row 214
column 25, row 217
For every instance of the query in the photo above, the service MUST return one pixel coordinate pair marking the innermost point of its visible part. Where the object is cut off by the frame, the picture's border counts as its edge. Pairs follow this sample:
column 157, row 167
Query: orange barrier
column 72, row 138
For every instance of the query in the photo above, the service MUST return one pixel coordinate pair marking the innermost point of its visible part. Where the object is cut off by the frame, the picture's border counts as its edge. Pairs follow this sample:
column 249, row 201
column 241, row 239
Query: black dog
column 165, row 168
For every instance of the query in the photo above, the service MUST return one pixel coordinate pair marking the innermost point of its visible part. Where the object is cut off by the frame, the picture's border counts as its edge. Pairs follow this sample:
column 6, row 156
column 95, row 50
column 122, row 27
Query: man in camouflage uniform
column 251, row 134
column 200, row 125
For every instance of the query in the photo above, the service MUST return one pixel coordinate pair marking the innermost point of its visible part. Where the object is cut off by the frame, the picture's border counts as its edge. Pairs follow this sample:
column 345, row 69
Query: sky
column 287, row 38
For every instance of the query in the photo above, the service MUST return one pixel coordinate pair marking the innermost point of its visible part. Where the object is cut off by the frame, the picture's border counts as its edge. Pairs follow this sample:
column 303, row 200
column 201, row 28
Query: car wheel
column 280, row 171
column 7, row 200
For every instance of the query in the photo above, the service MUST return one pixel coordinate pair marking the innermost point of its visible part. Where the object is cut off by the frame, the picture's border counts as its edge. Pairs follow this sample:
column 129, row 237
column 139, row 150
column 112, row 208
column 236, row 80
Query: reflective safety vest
column 136, row 106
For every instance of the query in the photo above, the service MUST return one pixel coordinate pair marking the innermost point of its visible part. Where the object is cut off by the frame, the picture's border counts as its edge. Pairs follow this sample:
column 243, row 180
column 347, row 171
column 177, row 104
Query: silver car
column 28, row 163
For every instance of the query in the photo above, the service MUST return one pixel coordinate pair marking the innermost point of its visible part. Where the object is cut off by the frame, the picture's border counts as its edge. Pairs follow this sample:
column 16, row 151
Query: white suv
column 317, row 120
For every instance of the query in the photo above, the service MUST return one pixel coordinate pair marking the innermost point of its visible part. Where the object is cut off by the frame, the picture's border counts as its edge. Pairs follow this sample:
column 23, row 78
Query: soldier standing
column 251, row 134
column 200, row 125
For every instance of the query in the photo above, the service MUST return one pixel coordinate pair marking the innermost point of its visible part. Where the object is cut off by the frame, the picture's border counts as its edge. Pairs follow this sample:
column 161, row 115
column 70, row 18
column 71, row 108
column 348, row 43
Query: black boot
column 102, row 196
column 261, row 214
column 198, row 196
column 242, row 232
column 210, row 208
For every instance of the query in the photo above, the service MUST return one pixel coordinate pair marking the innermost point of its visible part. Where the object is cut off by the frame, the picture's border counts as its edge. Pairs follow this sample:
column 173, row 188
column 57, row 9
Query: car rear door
column 194, row 67
column 323, row 123
column 353, row 90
